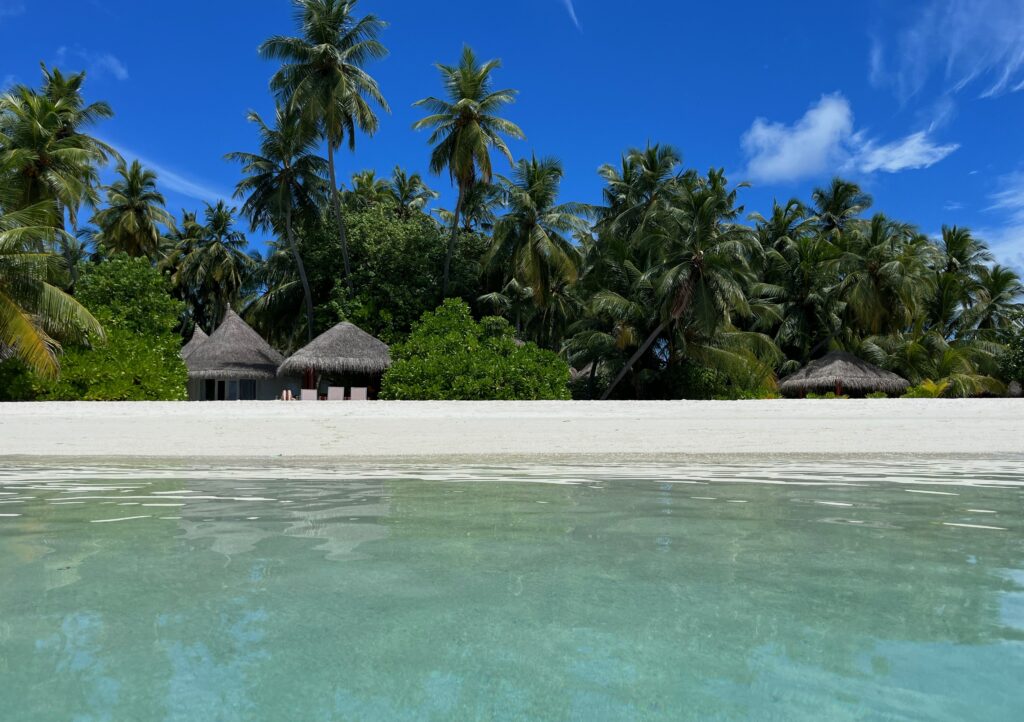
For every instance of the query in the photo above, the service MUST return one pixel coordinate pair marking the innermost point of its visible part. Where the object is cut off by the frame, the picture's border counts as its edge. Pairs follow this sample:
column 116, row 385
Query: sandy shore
column 264, row 430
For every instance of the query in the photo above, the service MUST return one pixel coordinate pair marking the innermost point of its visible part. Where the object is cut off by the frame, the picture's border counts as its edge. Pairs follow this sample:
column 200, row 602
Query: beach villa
column 344, row 357
column 233, row 364
column 236, row 364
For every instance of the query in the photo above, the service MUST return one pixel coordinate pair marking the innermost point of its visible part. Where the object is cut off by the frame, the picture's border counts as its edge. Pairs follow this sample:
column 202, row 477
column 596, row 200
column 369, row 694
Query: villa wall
column 242, row 389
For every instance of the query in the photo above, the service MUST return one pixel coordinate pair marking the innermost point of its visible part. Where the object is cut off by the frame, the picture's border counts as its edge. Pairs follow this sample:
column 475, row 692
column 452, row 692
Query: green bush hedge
column 450, row 356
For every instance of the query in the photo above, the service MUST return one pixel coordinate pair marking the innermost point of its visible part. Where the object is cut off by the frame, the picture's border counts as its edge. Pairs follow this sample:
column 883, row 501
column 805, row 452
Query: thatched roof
column 198, row 337
column 233, row 351
column 852, row 374
column 346, row 348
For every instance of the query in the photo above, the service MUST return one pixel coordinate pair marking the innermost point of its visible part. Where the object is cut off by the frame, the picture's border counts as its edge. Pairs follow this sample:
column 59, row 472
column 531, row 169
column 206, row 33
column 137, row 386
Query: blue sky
column 922, row 101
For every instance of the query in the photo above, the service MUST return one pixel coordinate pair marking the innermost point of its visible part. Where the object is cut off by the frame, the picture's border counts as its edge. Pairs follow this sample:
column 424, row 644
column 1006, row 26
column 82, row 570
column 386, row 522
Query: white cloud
column 571, row 8
column 813, row 145
column 97, row 64
column 168, row 179
column 915, row 151
column 8, row 82
column 969, row 42
column 825, row 141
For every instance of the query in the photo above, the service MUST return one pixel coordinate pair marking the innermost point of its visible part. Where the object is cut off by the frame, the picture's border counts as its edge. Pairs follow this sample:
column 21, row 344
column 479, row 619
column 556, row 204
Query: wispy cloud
column 168, row 179
column 826, row 141
column 570, row 7
column 970, row 43
column 1006, row 234
column 7, row 82
column 917, row 150
column 98, row 64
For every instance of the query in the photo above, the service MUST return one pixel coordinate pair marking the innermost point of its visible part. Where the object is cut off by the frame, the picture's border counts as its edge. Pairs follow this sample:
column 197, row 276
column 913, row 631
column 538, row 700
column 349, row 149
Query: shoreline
column 548, row 431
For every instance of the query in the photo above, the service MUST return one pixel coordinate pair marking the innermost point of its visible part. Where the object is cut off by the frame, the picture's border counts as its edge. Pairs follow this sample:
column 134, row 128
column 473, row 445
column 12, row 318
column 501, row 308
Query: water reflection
column 599, row 594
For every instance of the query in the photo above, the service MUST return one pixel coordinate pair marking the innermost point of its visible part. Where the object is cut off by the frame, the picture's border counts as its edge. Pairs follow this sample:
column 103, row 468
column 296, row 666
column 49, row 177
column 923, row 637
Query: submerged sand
column 346, row 430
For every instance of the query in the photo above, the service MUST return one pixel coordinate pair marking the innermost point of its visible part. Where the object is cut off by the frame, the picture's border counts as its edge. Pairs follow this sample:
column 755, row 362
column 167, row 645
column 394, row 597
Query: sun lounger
column 358, row 394
column 336, row 393
column 309, row 395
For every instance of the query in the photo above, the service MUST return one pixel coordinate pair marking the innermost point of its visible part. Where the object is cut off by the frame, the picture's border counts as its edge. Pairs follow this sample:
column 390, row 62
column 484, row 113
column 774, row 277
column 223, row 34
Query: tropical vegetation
column 668, row 287
column 451, row 356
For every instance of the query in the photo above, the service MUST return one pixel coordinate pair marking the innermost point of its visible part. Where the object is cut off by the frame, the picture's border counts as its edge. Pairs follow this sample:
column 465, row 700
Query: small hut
column 198, row 337
column 344, row 355
column 842, row 373
column 234, row 364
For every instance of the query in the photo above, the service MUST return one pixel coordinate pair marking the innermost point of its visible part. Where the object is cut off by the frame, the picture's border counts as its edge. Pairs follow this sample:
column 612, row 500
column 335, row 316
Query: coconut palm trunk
column 302, row 273
column 679, row 307
column 451, row 242
column 336, row 204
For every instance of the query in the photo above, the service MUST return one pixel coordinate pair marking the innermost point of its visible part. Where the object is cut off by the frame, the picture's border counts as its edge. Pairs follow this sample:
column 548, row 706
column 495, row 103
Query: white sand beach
column 343, row 430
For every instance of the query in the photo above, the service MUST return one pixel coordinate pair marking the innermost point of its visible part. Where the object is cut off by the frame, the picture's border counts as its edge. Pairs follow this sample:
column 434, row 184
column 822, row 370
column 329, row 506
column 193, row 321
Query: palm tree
column 530, row 242
column 799, row 278
column 465, row 130
column 285, row 179
column 368, row 190
column 218, row 267
column 75, row 251
column 323, row 80
column 702, row 261
column 135, row 211
column 43, row 162
column 838, row 204
column 645, row 178
column 34, row 311
column 410, row 192
column 962, row 253
column 998, row 300
column 886, row 281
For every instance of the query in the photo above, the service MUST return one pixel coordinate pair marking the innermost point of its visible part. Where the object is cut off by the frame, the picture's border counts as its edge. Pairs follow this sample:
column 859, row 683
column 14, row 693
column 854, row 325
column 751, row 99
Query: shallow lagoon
column 782, row 590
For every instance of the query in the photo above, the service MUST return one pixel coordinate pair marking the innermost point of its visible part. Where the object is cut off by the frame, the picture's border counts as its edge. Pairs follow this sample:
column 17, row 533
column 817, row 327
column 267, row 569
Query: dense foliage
column 668, row 288
column 1011, row 362
column 138, row 360
column 450, row 356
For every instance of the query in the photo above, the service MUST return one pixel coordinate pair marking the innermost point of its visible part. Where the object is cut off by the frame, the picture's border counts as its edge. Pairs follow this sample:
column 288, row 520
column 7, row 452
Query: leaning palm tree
column 465, row 130
column 702, row 262
column 285, row 179
column 410, row 192
column 532, row 241
column 131, row 221
column 34, row 312
column 323, row 80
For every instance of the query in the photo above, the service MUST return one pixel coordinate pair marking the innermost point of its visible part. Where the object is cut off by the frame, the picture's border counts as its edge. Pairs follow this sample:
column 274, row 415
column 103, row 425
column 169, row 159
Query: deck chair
column 336, row 393
column 309, row 395
column 358, row 394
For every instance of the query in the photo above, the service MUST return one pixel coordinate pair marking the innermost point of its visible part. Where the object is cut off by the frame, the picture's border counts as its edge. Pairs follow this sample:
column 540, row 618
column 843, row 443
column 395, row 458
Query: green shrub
column 139, row 359
column 450, row 356
column 928, row 389
column 1011, row 361
column 829, row 395
column 877, row 395
column 16, row 381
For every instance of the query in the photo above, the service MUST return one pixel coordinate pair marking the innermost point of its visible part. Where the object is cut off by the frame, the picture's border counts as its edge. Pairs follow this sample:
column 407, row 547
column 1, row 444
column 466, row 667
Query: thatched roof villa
column 198, row 337
column 344, row 355
column 842, row 373
column 233, row 363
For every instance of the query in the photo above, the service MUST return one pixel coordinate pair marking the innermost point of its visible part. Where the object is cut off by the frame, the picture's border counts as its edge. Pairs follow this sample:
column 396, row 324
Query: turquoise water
column 785, row 591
